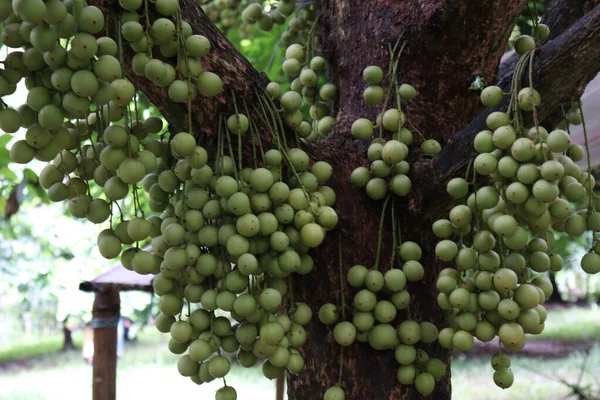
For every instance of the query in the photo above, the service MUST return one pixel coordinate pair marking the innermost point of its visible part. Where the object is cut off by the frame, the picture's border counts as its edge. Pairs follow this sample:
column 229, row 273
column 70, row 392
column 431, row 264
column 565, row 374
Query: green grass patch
column 572, row 323
column 146, row 370
column 35, row 346
column 535, row 378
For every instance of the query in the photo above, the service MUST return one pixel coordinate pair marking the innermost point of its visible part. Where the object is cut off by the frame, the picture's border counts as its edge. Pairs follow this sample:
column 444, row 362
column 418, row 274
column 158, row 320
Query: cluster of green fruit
column 226, row 13
column 382, row 295
column 77, row 110
column 389, row 168
column 305, row 92
column 227, row 237
column 232, row 239
column 375, row 308
column 174, row 40
column 299, row 26
column 525, row 182
column 388, row 157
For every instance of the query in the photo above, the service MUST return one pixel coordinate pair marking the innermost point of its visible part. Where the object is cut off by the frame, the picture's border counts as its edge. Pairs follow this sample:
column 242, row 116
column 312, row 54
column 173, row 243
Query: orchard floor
column 147, row 370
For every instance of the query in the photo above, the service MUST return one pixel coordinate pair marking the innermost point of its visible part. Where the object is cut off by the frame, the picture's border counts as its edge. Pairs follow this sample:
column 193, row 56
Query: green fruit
column 430, row 147
column 406, row 374
column 362, row 129
column 373, row 75
column 497, row 119
column 407, row 92
column 374, row 95
column 590, row 263
column 209, row 84
column 334, row 393
column 425, row 383
column 457, row 188
column 524, row 43
column 344, row 333
column 462, row 340
column 409, row 332
column 491, row 96
column 503, row 378
column 485, row 163
column 558, row 141
column 528, row 99
column 393, row 119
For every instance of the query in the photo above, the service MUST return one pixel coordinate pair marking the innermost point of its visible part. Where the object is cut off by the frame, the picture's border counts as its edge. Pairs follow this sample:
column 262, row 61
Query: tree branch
column 559, row 16
column 561, row 68
column 238, row 75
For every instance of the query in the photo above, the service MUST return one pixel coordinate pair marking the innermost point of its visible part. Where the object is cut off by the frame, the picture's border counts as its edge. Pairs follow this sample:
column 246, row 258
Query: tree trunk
column 555, row 297
column 448, row 44
column 67, row 336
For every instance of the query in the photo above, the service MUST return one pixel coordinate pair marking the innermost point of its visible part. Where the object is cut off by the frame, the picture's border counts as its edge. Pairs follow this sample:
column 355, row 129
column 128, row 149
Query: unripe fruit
column 524, row 43
column 373, row 75
column 491, row 96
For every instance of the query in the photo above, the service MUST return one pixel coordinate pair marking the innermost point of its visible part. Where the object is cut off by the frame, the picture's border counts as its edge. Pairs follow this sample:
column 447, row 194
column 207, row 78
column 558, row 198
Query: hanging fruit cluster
column 381, row 296
column 230, row 234
column 226, row 13
column 298, row 27
column 523, row 183
column 237, row 223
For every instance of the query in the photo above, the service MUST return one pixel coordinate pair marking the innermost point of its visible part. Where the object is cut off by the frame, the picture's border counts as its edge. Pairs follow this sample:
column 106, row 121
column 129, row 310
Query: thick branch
column 559, row 16
column 562, row 67
column 238, row 75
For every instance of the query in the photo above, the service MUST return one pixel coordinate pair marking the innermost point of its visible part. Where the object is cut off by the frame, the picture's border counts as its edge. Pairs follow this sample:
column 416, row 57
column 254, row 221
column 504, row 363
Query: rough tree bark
column 67, row 336
column 448, row 44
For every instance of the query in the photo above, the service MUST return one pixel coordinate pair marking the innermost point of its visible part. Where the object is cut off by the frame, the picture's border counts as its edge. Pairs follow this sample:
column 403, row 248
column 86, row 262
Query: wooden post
column 279, row 386
column 106, row 313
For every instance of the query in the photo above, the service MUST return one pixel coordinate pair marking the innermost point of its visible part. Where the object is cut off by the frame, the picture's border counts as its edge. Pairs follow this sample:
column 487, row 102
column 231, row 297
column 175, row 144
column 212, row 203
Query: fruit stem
column 181, row 47
column 239, row 126
column 380, row 233
column 565, row 120
column 477, row 219
column 147, row 30
column 342, row 297
column 82, row 158
column 276, row 119
column 534, row 20
column 221, row 147
column 535, row 117
column 291, row 289
column 415, row 129
column 341, row 365
column 311, row 38
column 589, row 159
column 254, row 131
column 393, row 70
column 394, row 234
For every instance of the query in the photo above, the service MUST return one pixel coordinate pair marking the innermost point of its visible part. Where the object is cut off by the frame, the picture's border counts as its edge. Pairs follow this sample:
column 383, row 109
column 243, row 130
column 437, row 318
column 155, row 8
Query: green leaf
column 30, row 176
column 4, row 139
column 4, row 157
column 2, row 204
column 8, row 174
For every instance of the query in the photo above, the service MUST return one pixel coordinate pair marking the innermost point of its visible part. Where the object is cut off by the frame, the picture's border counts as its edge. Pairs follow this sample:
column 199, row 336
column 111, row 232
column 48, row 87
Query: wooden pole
column 279, row 386
column 106, row 312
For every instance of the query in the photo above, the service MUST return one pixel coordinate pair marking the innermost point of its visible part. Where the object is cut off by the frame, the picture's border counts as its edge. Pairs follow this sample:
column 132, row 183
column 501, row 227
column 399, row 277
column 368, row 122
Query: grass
column 570, row 323
column 34, row 346
column 535, row 378
column 147, row 370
